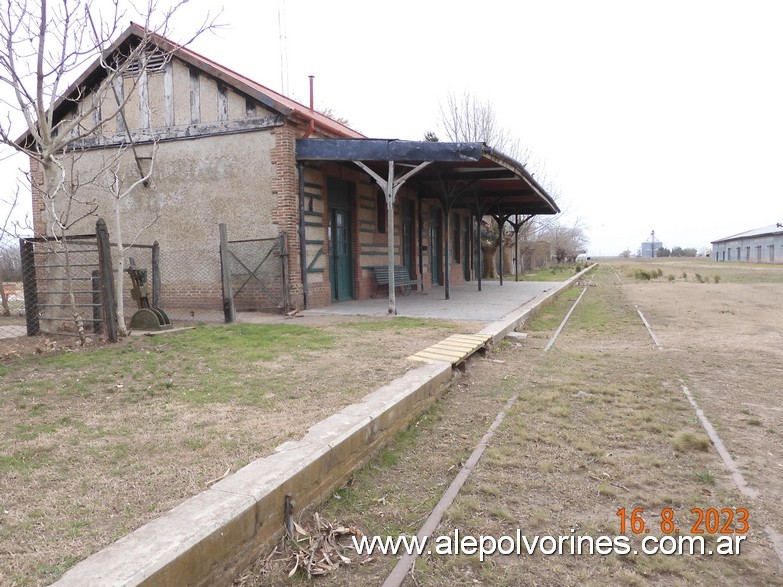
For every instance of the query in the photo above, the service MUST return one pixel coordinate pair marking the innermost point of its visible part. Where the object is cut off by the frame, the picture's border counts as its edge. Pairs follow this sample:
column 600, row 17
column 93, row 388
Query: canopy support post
column 390, row 186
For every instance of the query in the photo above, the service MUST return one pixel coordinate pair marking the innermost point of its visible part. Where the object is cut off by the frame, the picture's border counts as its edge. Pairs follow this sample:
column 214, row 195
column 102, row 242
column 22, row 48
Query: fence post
column 284, row 272
column 29, row 287
column 107, row 280
column 97, row 312
column 155, row 275
column 225, row 271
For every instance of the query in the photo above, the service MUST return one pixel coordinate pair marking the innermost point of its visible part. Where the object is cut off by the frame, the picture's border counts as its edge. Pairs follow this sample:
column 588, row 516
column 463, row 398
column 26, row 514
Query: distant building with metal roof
column 760, row 245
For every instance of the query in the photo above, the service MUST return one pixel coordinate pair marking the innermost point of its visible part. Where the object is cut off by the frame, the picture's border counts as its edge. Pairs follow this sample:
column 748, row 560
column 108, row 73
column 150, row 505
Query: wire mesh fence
column 257, row 271
column 188, row 277
column 184, row 280
column 53, row 286
column 12, row 308
column 62, row 289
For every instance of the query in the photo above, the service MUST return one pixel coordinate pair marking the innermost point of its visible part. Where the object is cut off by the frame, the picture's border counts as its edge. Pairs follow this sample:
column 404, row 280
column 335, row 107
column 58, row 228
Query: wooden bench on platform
column 403, row 282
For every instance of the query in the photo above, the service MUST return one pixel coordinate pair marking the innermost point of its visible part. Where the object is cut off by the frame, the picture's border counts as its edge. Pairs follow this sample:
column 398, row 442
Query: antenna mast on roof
column 283, row 48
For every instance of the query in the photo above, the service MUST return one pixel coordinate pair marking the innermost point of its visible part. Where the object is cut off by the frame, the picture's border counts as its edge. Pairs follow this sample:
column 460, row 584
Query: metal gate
column 254, row 274
column 68, row 284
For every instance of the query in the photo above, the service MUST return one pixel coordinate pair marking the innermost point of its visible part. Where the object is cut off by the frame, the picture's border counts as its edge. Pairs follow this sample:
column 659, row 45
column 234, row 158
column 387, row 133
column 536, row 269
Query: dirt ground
column 94, row 443
column 727, row 341
column 601, row 425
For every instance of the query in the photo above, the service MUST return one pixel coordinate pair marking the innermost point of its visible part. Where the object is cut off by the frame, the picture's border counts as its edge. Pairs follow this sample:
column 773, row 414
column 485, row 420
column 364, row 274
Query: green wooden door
column 339, row 235
column 340, row 270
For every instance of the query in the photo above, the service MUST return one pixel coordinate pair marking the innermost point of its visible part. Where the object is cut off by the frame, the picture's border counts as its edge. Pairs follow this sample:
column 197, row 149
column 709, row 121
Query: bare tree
column 567, row 241
column 119, row 193
column 43, row 47
column 467, row 118
column 10, row 268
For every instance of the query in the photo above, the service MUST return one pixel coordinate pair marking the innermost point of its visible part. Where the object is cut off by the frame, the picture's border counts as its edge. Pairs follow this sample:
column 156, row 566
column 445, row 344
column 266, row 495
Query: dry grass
column 689, row 441
column 95, row 443
column 593, row 432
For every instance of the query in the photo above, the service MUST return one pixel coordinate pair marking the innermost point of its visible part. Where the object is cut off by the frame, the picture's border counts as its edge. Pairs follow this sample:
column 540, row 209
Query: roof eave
column 519, row 169
column 140, row 33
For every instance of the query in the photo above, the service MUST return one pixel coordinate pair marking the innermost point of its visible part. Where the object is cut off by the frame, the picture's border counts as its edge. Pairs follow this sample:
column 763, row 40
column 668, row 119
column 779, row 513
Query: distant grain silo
column 761, row 245
column 650, row 247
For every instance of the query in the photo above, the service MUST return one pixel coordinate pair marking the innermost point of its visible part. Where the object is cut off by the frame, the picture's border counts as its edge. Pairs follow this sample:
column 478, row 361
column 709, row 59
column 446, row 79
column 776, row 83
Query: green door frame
column 340, row 197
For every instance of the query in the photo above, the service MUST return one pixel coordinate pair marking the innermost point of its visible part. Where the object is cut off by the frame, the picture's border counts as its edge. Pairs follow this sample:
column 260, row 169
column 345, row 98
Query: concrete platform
column 465, row 302
column 210, row 537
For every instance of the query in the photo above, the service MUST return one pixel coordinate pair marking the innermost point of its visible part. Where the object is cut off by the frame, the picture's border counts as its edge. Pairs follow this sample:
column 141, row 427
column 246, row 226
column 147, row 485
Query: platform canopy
column 474, row 176
column 470, row 176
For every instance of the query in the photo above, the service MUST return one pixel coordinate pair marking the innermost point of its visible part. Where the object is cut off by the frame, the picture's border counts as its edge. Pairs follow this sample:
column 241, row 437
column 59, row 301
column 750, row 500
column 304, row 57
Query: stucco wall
column 196, row 184
column 220, row 161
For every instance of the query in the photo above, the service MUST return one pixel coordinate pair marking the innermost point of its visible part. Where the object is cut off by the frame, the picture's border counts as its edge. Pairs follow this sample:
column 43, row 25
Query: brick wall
column 285, row 192
column 37, row 180
column 319, row 294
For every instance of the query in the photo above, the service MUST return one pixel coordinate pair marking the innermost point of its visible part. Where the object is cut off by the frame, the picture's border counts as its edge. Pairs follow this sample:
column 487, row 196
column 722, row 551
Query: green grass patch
column 362, row 493
column 555, row 273
column 204, row 365
column 251, row 341
column 54, row 572
column 551, row 316
column 24, row 461
column 398, row 323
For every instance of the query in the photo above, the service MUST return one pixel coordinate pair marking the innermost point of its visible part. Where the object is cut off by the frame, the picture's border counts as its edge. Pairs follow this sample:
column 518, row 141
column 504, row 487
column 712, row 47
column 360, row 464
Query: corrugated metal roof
column 770, row 230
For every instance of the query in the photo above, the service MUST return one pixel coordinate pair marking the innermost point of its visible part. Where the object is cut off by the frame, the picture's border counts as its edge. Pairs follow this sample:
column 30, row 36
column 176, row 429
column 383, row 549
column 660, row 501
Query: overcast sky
column 664, row 115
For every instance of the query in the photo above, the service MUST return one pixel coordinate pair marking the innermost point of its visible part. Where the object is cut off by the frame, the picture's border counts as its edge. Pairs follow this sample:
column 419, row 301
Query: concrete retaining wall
column 519, row 317
column 208, row 537
column 212, row 536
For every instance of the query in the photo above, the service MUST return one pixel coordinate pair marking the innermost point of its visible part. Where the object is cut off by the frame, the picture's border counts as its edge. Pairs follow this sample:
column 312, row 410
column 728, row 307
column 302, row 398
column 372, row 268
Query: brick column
column 285, row 191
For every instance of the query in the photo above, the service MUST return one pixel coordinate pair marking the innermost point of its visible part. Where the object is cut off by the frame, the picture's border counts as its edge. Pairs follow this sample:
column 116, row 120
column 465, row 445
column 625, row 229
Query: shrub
column 691, row 442
column 643, row 275
column 684, row 275
column 699, row 278
column 671, row 277
column 716, row 278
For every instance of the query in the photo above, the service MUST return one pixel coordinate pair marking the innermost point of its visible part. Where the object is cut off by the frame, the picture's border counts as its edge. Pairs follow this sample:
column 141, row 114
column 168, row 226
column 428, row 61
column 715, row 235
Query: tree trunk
column 123, row 331
column 508, row 254
column 53, row 180
column 4, row 298
column 489, row 251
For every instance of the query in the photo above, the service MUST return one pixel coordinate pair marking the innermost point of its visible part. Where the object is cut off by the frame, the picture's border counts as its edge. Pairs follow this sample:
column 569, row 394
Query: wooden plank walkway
column 455, row 349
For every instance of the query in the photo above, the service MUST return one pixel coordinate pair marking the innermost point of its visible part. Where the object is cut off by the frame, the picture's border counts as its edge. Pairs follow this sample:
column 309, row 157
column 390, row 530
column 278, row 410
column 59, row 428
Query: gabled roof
column 135, row 34
column 263, row 94
column 771, row 230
